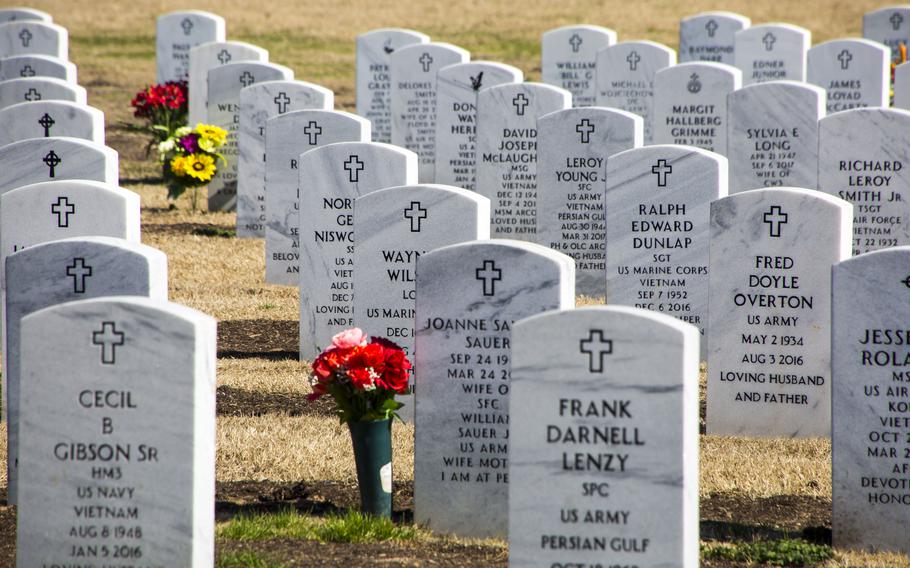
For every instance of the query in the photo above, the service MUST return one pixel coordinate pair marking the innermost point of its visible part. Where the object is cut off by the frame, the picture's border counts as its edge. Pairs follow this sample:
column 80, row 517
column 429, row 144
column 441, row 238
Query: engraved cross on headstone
column 585, row 128
column 906, row 281
column 575, row 41
column 896, row 20
column 32, row 95
column 520, row 102
column 224, row 56
column 282, row 100
column 595, row 347
column 845, row 57
column 661, row 169
column 187, row 25
column 633, row 58
column 63, row 209
column 711, row 27
column 109, row 339
column 775, row 218
column 416, row 213
column 79, row 271
column 353, row 166
column 26, row 37
column 52, row 160
column 27, row 71
column 768, row 39
column 313, row 130
column 426, row 60
column 247, row 79
column 490, row 275
column 46, row 122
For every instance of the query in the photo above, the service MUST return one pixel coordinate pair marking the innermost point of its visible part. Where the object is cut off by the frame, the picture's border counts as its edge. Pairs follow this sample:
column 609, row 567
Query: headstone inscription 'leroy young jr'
column 573, row 145
column 258, row 103
column 690, row 104
column 709, row 36
column 772, row 137
column 625, row 77
column 604, row 415
column 871, row 401
column 855, row 73
column 507, row 152
column 658, row 201
column 207, row 56
column 34, row 38
column 769, row 328
column 47, row 159
column 413, row 70
column 44, row 119
column 456, row 116
column 118, row 435
column 772, row 52
column 287, row 137
column 225, row 83
column 890, row 26
column 863, row 158
column 468, row 296
column 331, row 178
column 176, row 34
column 568, row 59
column 33, row 89
column 374, row 82
column 25, row 66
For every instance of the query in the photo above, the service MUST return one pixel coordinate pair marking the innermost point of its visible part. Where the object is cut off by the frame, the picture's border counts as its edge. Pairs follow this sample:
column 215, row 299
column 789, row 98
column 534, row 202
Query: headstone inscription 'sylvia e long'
column 772, row 52
column 890, row 26
column 710, row 36
column 34, row 38
column 25, row 66
column 568, row 59
column 176, row 34
column 48, row 159
column 604, row 445
column 769, row 328
column 34, row 89
column 207, row 56
column 44, row 119
column 855, row 73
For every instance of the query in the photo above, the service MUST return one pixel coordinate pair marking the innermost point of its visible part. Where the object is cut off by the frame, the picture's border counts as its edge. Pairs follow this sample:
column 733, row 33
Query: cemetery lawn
column 276, row 453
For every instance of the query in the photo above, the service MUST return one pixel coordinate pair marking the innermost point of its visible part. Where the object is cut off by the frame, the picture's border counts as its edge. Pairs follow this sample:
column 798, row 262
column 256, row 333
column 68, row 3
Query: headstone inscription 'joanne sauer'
column 864, row 158
column 413, row 71
column 855, row 73
column 890, row 26
column 374, row 81
column 456, row 116
column 176, row 34
column 118, row 435
column 769, row 328
column 24, row 66
column 772, row 52
column 568, row 59
column 331, row 178
column 658, row 201
column 258, row 103
column 507, row 152
column 710, row 36
column 604, row 450
column 47, row 159
column 572, row 149
column 870, row 401
column 207, row 56
column 34, row 38
column 44, row 119
column 33, row 89
column 468, row 297
column 772, row 136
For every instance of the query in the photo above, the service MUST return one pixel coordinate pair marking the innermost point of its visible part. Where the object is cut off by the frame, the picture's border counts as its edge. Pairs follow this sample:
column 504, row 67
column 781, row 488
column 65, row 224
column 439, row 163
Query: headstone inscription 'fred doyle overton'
column 47, row 159
column 769, row 328
column 331, row 178
column 118, row 435
column 855, row 73
column 44, row 119
column 507, row 152
column 604, row 451
column 709, row 36
column 568, row 57
column 33, row 89
column 179, row 32
column 890, row 26
column 871, row 401
column 864, row 158
column 34, row 38
column 772, row 52
column 25, row 66
column 374, row 81
column 456, row 116
column 573, row 146
column 772, row 137
column 207, row 56
column 468, row 297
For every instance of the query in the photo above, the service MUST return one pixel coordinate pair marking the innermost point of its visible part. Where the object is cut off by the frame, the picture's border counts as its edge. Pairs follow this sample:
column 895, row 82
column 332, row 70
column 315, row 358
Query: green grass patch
column 352, row 527
column 772, row 552
column 245, row 560
column 356, row 527
column 215, row 232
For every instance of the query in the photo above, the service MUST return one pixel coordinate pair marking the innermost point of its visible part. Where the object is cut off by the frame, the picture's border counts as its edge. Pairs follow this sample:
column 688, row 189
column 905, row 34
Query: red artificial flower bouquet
column 163, row 109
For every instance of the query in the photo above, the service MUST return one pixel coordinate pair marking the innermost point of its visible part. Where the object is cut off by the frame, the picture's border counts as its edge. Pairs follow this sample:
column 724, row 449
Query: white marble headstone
column 287, row 136
column 43, row 119
column 33, row 89
column 902, row 86
column 176, row 34
column 568, row 59
column 413, row 98
column 507, row 152
column 769, row 328
column 33, row 38
column 855, row 73
column 225, row 83
column 625, row 77
column 120, row 421
column 572, row 149
column 468, row 297
column 21, row 13
column 374, row 81
column 47, row 159
column 456, row 116
column 258, row 103
column 772, row 136
column 709, row 36
column 890, row 26
column 772, row 52
column 690, row 104
column 603, row 460
column 26, row 66
column 207, row 56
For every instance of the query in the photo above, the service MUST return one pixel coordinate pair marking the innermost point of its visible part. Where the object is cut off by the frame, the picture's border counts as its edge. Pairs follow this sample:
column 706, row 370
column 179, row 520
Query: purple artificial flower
column 190, row 143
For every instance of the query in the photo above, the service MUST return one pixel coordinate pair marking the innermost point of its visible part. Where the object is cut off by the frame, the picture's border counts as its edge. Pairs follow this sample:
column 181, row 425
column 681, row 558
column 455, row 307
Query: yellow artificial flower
column 210, row 137
column 200, row 166
column 179, row 165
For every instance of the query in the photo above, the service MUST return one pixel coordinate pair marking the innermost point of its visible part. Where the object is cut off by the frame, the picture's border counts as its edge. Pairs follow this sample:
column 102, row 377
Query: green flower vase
column 372, row 443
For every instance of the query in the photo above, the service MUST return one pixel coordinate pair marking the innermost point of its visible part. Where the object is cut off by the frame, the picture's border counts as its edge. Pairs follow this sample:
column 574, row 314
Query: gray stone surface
column 47, row 159
column 855, row 73
column 32, row 89
column 769, row 328
column 331, row 178
column 604, row 444
column 456, row 116
column 33, row 37
column 258, row 103
column 572, row 149
column 690, row 104
column 374, row 81
column 507, row 152
column 413, row 71
column 625, row 77
column 864, row 158
column 22, row 13
column 206, row 57
column 890, row 26
column 772, row 52
column 43, row 119
column 176, row 34
column 225, row 84
column 772, row 136
column 287, row 136
column 869, row 395
column 132, row 379
column 568, row 59
column 25, row 66
column 468, row 297
column 709, row 36
column 902, row 86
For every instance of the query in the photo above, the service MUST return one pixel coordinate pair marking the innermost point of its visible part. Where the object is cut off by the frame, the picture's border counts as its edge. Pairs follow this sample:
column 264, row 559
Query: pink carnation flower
column 354, row 337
